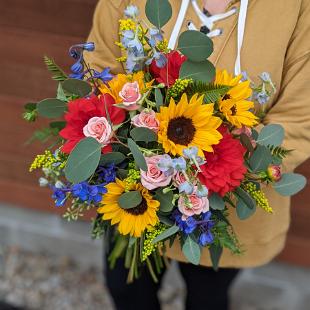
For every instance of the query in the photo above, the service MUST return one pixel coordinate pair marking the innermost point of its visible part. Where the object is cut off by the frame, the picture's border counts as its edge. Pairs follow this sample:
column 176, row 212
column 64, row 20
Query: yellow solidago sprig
column 48, row 160
column 150, row 235
column 132, row 177
column 258, row 196
column 178, row 88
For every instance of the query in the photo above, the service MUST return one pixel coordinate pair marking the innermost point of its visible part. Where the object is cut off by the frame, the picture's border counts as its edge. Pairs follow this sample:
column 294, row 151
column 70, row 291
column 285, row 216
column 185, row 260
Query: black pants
column 206, row 289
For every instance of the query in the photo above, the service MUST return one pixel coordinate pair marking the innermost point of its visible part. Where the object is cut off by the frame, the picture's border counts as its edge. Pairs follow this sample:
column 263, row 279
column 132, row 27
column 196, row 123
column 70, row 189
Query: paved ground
column 44, row 282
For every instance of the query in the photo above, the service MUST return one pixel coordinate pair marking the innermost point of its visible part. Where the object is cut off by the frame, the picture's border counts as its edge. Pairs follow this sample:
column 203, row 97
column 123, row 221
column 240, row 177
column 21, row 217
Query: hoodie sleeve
column 104, row 33
column 292, row 107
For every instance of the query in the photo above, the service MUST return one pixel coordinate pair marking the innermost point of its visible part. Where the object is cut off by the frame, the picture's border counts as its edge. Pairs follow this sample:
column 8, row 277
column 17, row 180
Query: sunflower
column 188, row 124
column 234, row 104
column 131, row 221
column 116, row 84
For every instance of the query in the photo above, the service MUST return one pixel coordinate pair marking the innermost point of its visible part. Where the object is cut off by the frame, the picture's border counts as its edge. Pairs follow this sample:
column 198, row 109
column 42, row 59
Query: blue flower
column 265, row 76
column 165, row 164
column 190, row 152
column 179, row 164
column 205, row 238
column 77, row 67
column 187, row 226
column 131, row 11
column 127, row 36
column 106, row 174
column 202, row 191
column 262, row 97
column 89, row 46
column 88, row 193
column 104, row 75
column 60, row 196
column 186, row 188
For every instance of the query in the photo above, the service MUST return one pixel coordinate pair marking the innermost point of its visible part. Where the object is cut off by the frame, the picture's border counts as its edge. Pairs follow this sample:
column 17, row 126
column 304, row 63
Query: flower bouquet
column 163, row 153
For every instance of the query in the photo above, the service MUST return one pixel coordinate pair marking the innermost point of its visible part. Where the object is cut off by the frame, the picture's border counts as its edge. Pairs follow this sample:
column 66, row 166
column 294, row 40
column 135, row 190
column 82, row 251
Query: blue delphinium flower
column 202, row 191
column 205, row 238
column 186, row 187
column 59, row 195
column 88, row 193
column 187, row 226
column 179, row 164
column 106, row 174
column 262, row 97
column 105, row 75
column 165, row 165
column 131, row 11
column 155, row 36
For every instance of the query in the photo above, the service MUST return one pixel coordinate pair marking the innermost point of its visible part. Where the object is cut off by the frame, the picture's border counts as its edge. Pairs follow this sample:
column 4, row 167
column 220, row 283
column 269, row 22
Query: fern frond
column 57, row 73
column 279, row 151
column 211, row 92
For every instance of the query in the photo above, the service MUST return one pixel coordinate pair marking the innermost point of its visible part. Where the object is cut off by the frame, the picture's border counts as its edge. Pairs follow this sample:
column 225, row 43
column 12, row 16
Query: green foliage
column 195, row 45
column 99, row 227
column 51, row 108
column 76, row 87
column 158, row 98
column 112, row 158
column 272, row 134
column 216, row 202
column 243, row 210
column 246, row 142
column 137, row 154
column 279, row 151
column 83, row 160
column 216, row 251
column 143, row 134
column 30, row 114
column 166, row 234
column 130, row 200
column 212, row 92
column 261, row 159
column 191, row 250
column 198, row 71
column 242, row 195
column 158, row 12
column 165, row 200
column 57, row 73
column 290, row 184
column 57, row 126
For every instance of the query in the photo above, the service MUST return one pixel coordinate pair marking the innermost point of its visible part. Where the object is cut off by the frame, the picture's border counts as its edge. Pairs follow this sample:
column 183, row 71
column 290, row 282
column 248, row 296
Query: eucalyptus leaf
column 290, row 184
column 129, row 200
column 30, row 106
column 143, row 134
column 158, row 12
column 76, row 87
column 198, row 71
column 58, row 125
column 195, row 45
column 165, row 200
column 215, row 255
column 246, row 142
column 216, row 202
column 60, row 93
column 166, row 233
column 51, row 108
column 191, row 251
column 137, row 155
column 158, row 98
column 245, row 197
column 83, row 160
column 243, row 210
column 112, row 158
column 272, row 134
column 261, row 158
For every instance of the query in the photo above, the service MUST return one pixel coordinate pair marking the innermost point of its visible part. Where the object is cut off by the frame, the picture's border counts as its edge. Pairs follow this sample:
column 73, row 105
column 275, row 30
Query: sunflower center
column 138, row 210
column 226, row 97
column 233, row 110
column 181, row 130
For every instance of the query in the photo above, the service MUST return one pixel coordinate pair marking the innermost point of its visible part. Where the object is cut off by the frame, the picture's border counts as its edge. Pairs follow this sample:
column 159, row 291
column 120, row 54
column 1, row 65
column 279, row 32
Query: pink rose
column 192, row 204
column 146, row 119
column 130, row 94
column 153, row 177
column 98, row 128
column 274, row 172
column 178, row 179
column 247, row 131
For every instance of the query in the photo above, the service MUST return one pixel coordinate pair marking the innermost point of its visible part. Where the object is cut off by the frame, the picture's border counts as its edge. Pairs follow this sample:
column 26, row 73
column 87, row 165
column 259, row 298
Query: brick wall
column 30, row 29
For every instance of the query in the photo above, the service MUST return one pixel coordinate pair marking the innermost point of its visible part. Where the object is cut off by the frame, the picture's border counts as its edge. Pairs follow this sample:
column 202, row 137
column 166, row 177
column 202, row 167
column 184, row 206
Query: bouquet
column 164, row 152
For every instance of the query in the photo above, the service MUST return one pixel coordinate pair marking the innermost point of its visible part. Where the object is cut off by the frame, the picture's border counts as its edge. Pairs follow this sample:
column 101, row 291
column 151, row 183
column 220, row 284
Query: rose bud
column 274, row 172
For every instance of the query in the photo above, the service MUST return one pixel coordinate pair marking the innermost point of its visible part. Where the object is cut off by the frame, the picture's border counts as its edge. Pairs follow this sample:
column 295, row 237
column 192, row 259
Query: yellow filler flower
column 132, row 221
column 234, row 104
column 188, row 124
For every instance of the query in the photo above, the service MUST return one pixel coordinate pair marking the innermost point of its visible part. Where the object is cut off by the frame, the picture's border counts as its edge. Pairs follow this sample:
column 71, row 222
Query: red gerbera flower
column 171, row 71
column 224, row 169
column 80, row 111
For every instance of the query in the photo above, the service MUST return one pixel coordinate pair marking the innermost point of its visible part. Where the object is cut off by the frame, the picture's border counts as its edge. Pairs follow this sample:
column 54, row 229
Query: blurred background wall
column 30, row 29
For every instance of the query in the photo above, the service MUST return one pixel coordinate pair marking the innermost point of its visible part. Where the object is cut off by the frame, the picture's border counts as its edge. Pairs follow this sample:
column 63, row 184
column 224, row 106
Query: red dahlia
column 224, row 169
column 80, row 111
column 171, row 71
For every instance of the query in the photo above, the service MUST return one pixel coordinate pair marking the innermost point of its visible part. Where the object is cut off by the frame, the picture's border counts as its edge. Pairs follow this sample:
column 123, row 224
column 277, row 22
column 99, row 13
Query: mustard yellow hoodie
column 276, row 40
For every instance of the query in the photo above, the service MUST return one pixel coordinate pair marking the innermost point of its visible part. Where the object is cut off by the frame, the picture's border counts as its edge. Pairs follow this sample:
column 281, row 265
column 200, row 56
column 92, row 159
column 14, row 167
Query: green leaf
column 215, row 254
column 58, row 125
column 76, row 87
column 245, row 197
column 272, row 134
column 158, row 12
column 261, row 158
column 83, row 160
column 137, row 155
column 290, row 184
column 130, row 200
column 58, row 74
column 216, row 202
column 112, row 158
column 195, row 45
column 198, row 71
column 243, row 210
column 246, row 142
column 60, row 93
column 165, row 200
column 51, row 108
column 166, row 233
column 158, row 98
column 191, row 251
column 143, row 134
column 30, row 106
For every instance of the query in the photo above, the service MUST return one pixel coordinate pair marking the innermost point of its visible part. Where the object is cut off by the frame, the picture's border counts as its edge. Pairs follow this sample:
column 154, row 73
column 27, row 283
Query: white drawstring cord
column 241, row 28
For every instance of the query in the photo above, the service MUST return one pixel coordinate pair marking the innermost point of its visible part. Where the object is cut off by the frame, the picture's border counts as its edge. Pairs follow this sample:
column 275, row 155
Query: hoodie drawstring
column 209, row 21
